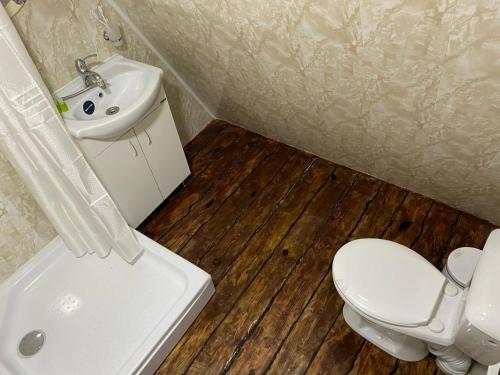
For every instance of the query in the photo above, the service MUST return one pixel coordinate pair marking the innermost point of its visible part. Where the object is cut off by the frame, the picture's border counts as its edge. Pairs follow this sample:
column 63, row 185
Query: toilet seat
column 387, row 282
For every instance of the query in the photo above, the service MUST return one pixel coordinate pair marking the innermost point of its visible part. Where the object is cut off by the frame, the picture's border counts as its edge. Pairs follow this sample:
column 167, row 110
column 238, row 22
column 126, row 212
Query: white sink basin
column 132, row 88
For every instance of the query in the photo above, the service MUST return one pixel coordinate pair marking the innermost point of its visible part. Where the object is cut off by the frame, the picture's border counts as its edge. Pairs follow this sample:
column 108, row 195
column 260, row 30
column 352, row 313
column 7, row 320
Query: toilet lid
column 387, row 281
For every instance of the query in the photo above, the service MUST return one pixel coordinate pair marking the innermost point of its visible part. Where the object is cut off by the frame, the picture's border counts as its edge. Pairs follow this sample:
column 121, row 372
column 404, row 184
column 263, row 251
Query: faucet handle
column 81, row 64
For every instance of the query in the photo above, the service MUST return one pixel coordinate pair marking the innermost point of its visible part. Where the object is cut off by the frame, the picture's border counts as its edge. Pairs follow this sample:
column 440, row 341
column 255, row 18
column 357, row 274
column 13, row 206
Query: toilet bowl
column 400, row 302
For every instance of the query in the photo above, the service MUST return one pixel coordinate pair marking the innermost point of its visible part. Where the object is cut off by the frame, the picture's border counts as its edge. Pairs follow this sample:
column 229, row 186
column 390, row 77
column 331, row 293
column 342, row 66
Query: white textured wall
column 407, row 91
column 24, row 228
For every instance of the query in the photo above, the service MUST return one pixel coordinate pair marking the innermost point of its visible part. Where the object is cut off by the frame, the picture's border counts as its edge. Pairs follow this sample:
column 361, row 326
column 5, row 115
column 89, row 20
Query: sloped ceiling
column 407, row 91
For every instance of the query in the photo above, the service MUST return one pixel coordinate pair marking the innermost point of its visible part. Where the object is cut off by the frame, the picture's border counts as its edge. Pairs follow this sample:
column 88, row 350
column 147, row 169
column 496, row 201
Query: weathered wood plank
column 380, row 213
column 236, row 205
column 339, row 350
column 244, row 315
column 214, row 151
column 298, row 348
column 257, row 150
column 248, row 264
column 257, row 352
column 310, row 330
column 437, row 233
column 204, row 139
column 408, row 221
column 372, row 361
column 206, row 169
column 218, row 260
column 424, row 367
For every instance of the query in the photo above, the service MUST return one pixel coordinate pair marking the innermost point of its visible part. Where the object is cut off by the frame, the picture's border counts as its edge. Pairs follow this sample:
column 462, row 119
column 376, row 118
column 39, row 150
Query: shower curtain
column 34, row 139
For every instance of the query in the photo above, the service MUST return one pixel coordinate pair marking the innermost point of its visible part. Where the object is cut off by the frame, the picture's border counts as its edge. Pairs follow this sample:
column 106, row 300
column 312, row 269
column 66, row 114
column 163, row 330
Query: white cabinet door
column 124, row 172
column 162, row 147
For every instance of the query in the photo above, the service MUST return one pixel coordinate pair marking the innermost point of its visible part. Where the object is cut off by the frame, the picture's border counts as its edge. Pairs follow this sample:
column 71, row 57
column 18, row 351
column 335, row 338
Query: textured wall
column 24, row 229
column 408, row 91
column 55, row 33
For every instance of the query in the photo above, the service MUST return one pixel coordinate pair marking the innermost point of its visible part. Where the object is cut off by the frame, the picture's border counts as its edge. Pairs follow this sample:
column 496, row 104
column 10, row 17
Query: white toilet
column 400, row 302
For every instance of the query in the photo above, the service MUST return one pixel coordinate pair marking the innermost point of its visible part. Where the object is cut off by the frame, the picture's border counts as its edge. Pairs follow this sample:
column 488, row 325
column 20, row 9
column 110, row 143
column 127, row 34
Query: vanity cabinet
column 142, row 167
column 163, row 151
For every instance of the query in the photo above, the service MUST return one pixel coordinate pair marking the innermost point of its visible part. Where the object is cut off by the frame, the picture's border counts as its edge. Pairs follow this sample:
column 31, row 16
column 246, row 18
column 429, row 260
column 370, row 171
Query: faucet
column 90, row 78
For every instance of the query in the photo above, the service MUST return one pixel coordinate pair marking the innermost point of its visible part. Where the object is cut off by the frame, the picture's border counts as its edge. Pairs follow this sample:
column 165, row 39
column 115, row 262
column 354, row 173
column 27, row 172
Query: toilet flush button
column 450, row 290
column 436, row 326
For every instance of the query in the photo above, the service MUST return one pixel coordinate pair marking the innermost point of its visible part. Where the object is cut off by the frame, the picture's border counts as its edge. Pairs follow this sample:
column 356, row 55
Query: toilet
column 401, row 303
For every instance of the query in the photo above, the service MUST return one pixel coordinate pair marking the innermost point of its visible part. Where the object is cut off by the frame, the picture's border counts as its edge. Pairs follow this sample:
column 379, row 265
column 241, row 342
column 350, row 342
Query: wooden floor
column 265, row 220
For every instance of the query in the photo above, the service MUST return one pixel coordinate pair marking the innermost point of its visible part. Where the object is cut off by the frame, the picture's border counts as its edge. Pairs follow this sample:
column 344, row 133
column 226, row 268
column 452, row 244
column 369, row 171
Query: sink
column 132, row 88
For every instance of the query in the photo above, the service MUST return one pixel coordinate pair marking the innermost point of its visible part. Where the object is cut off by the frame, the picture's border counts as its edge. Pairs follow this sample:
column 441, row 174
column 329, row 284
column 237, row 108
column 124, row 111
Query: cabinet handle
column 149, row 138
column 135, row 150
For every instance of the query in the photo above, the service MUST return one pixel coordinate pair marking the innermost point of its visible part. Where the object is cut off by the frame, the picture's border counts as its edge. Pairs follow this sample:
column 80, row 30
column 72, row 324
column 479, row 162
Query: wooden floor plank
column 246, row 267
column 425, row 367
column 299, row 347
column 205, row 169
column 257, row 352
column 215, row 151
column 242, row 165
column 338, row 351
column 236, row 205
column 437, row 233
column 204, row 139
column 380, row 213
column 407, row 224
column 222, row 255
column 372, row 361
column 310, row 330
column 244, row 315
column 266, row 220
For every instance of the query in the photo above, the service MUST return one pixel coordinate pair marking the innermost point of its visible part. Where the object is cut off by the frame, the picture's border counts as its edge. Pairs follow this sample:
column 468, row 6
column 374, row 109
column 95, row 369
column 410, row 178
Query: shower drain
column 31, row 343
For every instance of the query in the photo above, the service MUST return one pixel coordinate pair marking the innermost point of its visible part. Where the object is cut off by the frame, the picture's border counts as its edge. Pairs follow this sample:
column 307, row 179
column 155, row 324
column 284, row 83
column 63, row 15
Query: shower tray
column 97, row 316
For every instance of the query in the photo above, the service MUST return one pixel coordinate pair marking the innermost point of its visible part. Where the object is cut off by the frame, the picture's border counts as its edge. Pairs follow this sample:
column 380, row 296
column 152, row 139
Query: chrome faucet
column 90, row 78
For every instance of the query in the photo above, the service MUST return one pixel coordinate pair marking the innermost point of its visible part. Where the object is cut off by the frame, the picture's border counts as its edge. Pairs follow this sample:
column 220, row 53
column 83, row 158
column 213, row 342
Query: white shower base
column 99, row 316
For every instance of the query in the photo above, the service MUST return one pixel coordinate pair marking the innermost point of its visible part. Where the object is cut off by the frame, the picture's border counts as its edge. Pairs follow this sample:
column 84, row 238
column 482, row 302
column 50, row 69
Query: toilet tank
column 479, row 331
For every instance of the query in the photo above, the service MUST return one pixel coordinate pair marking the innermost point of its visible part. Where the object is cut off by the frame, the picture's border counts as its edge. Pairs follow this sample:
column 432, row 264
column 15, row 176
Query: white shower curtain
column 34, row 139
